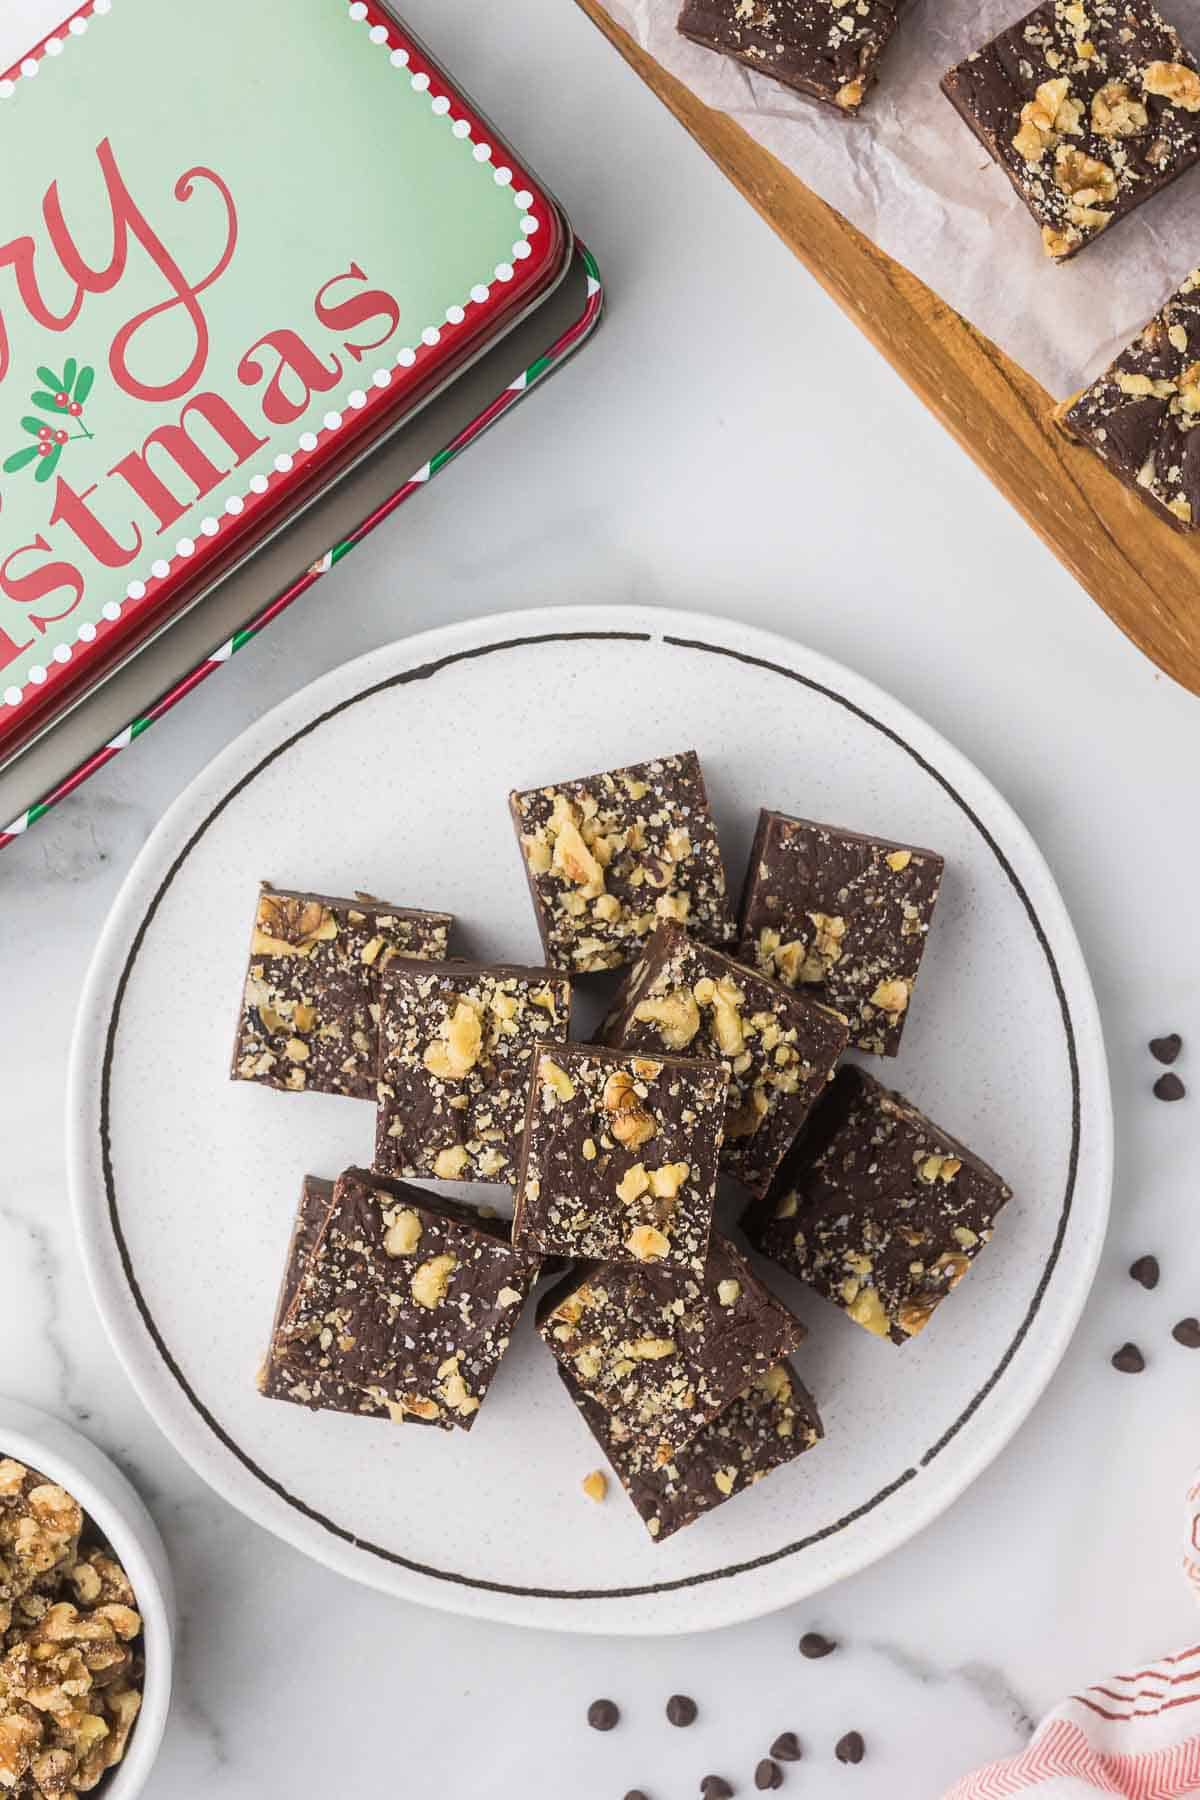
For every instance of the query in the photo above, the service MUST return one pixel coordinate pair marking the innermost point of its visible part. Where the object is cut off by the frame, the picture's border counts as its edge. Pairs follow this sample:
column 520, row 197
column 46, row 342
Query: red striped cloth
column 1136, row 1735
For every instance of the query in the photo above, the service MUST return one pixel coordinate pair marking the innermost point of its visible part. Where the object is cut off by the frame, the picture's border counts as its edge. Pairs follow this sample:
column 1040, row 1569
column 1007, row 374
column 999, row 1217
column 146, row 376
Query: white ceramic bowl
column 63, row 1455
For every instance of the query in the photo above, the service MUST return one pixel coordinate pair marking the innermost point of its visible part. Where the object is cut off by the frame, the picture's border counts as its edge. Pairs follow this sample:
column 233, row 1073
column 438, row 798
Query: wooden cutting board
column 1145, row 575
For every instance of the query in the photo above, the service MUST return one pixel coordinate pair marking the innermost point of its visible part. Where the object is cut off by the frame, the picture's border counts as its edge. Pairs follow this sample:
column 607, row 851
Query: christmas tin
column 239, row 244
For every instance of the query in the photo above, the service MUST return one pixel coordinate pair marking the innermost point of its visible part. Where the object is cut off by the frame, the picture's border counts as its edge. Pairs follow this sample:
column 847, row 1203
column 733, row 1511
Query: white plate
column 391, row 774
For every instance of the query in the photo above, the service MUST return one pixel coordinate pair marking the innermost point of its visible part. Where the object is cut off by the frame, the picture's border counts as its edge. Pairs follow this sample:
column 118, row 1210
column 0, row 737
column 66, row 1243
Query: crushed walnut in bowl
column 71, row 1666
column 75, row 1643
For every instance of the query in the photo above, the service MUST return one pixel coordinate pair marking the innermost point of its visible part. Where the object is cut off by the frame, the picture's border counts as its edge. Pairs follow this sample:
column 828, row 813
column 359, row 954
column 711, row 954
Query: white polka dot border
column 31, row 66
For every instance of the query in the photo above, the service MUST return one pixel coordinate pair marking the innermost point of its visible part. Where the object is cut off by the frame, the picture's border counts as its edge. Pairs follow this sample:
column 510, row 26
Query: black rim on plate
column 426, row 672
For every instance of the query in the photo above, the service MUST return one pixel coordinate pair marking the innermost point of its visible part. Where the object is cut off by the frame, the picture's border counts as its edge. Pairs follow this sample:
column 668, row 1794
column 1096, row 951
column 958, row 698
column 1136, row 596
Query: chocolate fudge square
column 1089, row 106
column 779, row 1047
column 609, row 856
column 310, row 1002
column 843, row 915
column 878, row 1208
column 458, row 1042
column 400, row 1308
column 1140, row 415
column 829, row 51
column 771, row 1424
column 661, row 1355
column 619, row 1158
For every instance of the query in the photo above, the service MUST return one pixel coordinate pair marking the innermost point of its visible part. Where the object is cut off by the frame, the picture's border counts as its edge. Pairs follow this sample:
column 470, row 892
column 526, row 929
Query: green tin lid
column 233, row 237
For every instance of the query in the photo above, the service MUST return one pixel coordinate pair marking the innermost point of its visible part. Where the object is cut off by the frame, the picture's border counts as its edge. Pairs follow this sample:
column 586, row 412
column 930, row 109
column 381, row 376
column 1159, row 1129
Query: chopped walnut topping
column 1088, row 181
column 666, row 1182
column 431, row 1280
column 1174, row 82
column 556, row 1079
column 454, row 1054
column 1117, row 113
column 1049, row 115
column 891, row 996
column 403, row 1234
column 286, row 926
column 632, row 1125
column 595, row 1485
column 677, row 1016
column 867, row 1311
column 648, row 1244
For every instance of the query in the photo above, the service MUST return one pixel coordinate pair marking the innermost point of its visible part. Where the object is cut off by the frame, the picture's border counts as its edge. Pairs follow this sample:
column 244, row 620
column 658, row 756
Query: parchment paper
column 911, row 175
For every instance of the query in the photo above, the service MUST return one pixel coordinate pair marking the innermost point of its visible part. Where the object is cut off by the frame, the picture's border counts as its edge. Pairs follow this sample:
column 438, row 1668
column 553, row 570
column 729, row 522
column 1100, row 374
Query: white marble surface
column 729, row 443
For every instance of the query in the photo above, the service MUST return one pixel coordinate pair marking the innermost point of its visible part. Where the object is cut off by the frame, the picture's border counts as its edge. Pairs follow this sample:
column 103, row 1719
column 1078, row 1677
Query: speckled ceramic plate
column 391, row 774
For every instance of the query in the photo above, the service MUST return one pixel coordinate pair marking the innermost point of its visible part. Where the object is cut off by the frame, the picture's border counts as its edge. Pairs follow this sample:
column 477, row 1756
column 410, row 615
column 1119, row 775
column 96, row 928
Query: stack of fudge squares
column 1090, row 108
column 720, row 1053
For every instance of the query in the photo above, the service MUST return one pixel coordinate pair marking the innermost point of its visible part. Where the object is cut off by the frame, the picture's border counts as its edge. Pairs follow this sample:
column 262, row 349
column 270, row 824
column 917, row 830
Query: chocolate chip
column 1169, row 1087
column 787, row 1747
column 635, row 1794
column 850, row 1749
column 603, row 1715
column 715, row 1787
column 682, row 1709
column 1129, row 1360
column 1166, row 1049
column 768, row 1775
column 1145, row 1270
column 812, row 1644
column 1187, row 1333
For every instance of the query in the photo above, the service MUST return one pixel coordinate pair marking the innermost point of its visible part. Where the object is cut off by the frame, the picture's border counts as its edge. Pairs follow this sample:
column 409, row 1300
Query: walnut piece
column 676, row 1015
column 1174, row 82
column 453, row 1055
column 1116, row 113
column 556, row 1079
column 403, row 1233
column 285, row 926
column 1087, row 180
column 39, row 1528
column 431, row 1280
column 648, row 1244
column 631, row 1124
column 1049, row 115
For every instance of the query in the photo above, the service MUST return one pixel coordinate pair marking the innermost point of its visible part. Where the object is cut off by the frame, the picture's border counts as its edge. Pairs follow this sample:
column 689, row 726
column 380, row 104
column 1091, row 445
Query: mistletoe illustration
column 63, row 396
